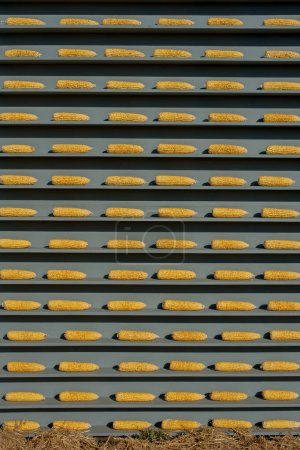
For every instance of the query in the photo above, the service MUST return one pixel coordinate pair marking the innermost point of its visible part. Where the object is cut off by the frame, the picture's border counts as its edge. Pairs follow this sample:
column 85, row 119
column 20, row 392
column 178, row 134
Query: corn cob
column 175, row 148
column 240, row 336
column 67, row 366
column 231, row 423
column 282, row 150
column 71, row 425
column 279, row 395
column 17, row 148
column 134, row 397
column 183, row 396
column 233, row 275
column 137, row 367
column 223, row 54
column 275, row 244
column 170, row 424
column 125, row 244
column 74, row 84
column 23, row 21
column 224, row 21
column 224, row 85
column 77, row 21
column 224, row 396
column 277, row 423
column 181, row 305
column 175, row 117
column 18, row 116
column 17, row 179
column 71, row 212
column 123, row 53
column 67, row 243
column 279, row 366
column 281, row 85
column 114, row 84
column 127, row 275
column 24, row 397
column 14, row 335
column 171, row 53
column 76, row 53
column 227, row 181
column 125, row 305
column 171, row 180
column 21, row 425
column 70, row 396
column 124, row 181
column 17, row 84
column 79, row 335
column 224, row 366
column 175, row 212
column 189, row 336
column 281, row 118
column 21, row 53
column 282, row 305
column 222, row 244
column 126, row 117
column 16, row 366
column 277, row 213
column 124, row 212
column 17, row 212
column 280, row 275
column 14, row 243
column 173, row 274
column 176, row 85
column 20, row 305
column 130, row 425
column 16, row 274
column 284, row 335
column 226, row 117
column 233, row 305
column 65, row 275
column 281, row 54
column 120, row 21
column 69, row 116
column 174, row 243
column 280, row 22
column 165, row 21
column 228, row 149
column 67, row 305
column 186, row 366
column 124, row 148
column 129, row 335
column 69, row 180
column 70, row 148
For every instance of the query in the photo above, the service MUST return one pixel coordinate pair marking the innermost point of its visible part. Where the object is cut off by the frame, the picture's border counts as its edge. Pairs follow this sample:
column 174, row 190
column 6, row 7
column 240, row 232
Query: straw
column 21, row 425
column 137, row 367
column 116, row 180
column 68, row 366
column 18, row 117
column 279, row 366
column 224, row 85
column 281, row 54
column 176, row 148
column 21, row 53
column 174, row 244
column 130, row 425
column 126, row 117
column 77, row 21
column 283, row 150
column 171, row 180
column 170, row 21
column 18, row 84
column 223, row 54
column 114, row 84
column 17, row 179
column 277, row 423
column 125, row 305
column 231, row 423
column 71, row 425
column 74, row 84
column 221, row 244
column 268, row 394
column 20, row 305
column 115, row 244
column 16, row 274
column 183, row 396
column 281, row 118
column 17, row 212
column 14, row 335
column 124, row 148
column 274, row 244
column 280, row 275
column 224, row 21
column 226, row 149
column 227, row 181
column 120, row 21
column 69, row 116
column 16, row 366
column 182, row 305
column 186, row 366
column 14, row 243
column 70, row 396
column 24, row 397
column 170, row 424
column 18, row 148
column 275, row 181
column 123, row 53
column 65, row 275
column 188, row 336
column 173, row 274
column 131, row 335
column 134, row 397
column 284, row 335
column 240, row 336
column 68, row 305
column 176, row 212
column 226, row 117
column 281, row 85
column 124, row 212
column 176, row 85
column 76, row 53
column 23, row 21
column 67, row 243
column 127, row 275
column 224, row 396
column 80, row 335
column 233, row 275
column 175, row 117
column 70, row 148
column 224, row 366
column 71, row 212
column 283, row 305
column 281, row 22
column 171, row 53
column 279, row 213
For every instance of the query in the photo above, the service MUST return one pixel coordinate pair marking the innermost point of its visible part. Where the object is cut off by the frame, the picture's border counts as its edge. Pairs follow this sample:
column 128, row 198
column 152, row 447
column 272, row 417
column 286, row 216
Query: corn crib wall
column 251, row 68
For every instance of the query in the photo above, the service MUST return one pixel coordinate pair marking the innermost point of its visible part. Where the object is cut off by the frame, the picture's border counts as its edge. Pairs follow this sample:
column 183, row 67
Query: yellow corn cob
column 71, row 212
column 17, row 212
column 21, row 53
column 113, row 84
column 134, row 397
column 174, row 22
column 283, row 305
column 125, row 244
column 222, row 244
column 183, row 396
column 79, row 335
column 74, row 84
column 130, row 425
column 188, row 336
column 123, row 53
column 175, row 148
column 284, row 335
column 118, row 21
column 281, row 118
column 280, row 22
column 173, row 274
column 224, row 85
column 129, row 335
column 23, row 21
column 16, row 274
column 281, row 54
column 170, row 424
column 14, row 335
column 76, row 53
column 20, row 305
column 69, row 180
column 71, row 425
column 233, row 305
column 124, row 148
column 17, row 148
column 277, row 423
column 175, row 117
column 231, row 423
column 125, row 305
column 65, row 275
column 175, row 212
column 224, row 21
column 282, row 150
column 16, row 366
column 67, row 305
column 67, row 366
column 224, row 396
column 227, row 181
column 127, row 275
column 277, row 213
column 17, row 84
column 69, row 116
column 77, row 21
column 226, row 117
column 124, row 212
column 126, row 117
column 275, row 244
column 70, row 396
column 176, row 85
column 224, row 366
column 181, row 305
column 18, row 116
column 124, row 181
column 279, row 395
column 280, row 275
column 279, row 366
column 21, row 425
column 171, row 180
column 223, row 54
column 67, row 243
column 137, row 367
column 281, row 85
column 226, row 149
column 186, row 366
column 17, row 179
column 233, row 275
column 172, row 243
column 171, row 53
column 70, row 148
column 24, row 397
column 240, row 336
column 14, row 243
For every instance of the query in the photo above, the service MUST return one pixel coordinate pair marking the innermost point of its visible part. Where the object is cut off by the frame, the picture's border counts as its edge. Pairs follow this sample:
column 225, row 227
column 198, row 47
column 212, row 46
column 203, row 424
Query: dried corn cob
column 186, row 366
column 240, row 336
column 71, row 425
column 226, row 149
column 125, row 244
column 21, row 53
column 74, row 84
column 173, row 274
column 223, row 54
column 130, row 425
column 125, row 305
column 224, row 21
column 14, row 243
column 234, row 305
column 279, row 244
column 283, row 305
column 67, row 366
column 14, row 335
column 71, row 212
column 17, row 179
column 226, row 181
column 282, row 150
column 224, row 396
column 21, row 425
column 67, row 243
column 233, row 275
column 284, row 335
column 124, row 212
column 114, row 84
column 124, row 181
column 16, row 366
column 124, row 148
column 175, row 212
column 280, row 275
column 277, row 423
column 24, row 397
column 134, row 397
column 120, row 21
column 226, row 117
column 171, row 180
column 281, row 85
column 129, row 335
column 123, row 53
column 127, row 275
column 175, row 148
column 181, row 305
column 281, row 22
column 221, row 244
column 176, row 85
column 174, row 243
column 126, row 117
column 17, row 148
column 137, row 367
column 67, row 305
column 23, row 21
column 188, row 336
column 281, row 54
column 224, row 85
column 70, row 396
column 76, row 53
column 183, row 396
column 17, row 84
column 281, row 118
column 80, row 335
column 69, row 180
column 16, row 274
column 277, row 213
column 77, row 21
column 18, row 116
column 170, row 21
column 20, row 305
column 279, row 395
column 175, row 117
column 224, row 366
column 171, row 53
column 69, row 116
column 65, row 275
column 170, row 424
column 17, row 212
column 279, row 366
column 70, row 148
column 231, row 423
